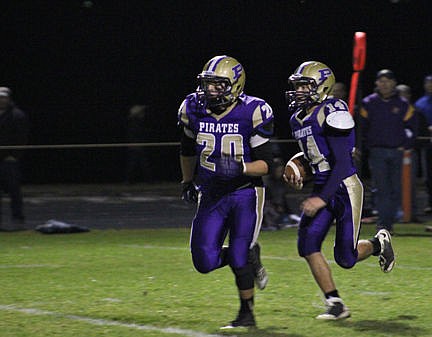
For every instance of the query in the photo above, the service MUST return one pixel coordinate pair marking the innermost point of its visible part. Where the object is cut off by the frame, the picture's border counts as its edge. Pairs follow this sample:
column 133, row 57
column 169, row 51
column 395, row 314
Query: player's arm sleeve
column 341, row 151
column 187, row 155
column 264, row 152
column 187, row 143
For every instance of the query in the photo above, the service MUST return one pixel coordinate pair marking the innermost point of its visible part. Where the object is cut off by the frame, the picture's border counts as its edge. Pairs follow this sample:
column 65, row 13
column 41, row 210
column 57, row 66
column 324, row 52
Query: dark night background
column 77, row 66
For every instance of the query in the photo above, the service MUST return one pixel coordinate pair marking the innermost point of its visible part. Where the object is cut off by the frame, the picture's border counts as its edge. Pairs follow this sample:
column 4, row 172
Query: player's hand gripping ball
column 297, row 171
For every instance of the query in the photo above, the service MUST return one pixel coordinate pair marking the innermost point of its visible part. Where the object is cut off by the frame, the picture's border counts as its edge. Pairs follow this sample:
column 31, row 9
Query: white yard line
column 106, row 322
column 10, row 266
column 155, row 247
column 283, row 258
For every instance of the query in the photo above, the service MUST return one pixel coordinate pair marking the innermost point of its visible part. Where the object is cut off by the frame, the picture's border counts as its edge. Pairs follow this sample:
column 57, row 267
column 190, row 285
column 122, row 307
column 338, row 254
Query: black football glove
column 227, row 167
column 189, row 192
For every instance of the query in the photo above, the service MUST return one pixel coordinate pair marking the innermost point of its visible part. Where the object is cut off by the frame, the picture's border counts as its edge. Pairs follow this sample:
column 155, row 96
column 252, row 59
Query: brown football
column 299, row 167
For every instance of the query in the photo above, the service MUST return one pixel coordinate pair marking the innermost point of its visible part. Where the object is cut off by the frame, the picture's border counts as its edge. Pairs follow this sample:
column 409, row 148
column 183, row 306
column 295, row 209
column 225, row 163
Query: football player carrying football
column 324, row 129
column 224, row 152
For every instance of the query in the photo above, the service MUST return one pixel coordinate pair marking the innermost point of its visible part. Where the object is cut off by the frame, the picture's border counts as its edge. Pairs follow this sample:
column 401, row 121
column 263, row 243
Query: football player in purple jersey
column 324, row 129
column 224, row 152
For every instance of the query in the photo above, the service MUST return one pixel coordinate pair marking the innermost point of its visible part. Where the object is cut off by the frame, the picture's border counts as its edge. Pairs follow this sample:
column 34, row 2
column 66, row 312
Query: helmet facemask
column 214, row 92
column 296, row 98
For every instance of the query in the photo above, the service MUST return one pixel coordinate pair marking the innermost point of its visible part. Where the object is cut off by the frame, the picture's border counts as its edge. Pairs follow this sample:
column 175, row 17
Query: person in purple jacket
column 224, row 151
column 388, row 125
column 324, row 129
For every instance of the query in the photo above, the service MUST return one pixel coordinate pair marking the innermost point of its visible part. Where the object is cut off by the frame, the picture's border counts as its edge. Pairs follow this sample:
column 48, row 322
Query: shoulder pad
column 341, row 120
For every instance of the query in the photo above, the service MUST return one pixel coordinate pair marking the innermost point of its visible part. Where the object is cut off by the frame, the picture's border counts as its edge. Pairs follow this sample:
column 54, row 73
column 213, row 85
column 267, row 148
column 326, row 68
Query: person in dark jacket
column 14, row 128
column 388, row 126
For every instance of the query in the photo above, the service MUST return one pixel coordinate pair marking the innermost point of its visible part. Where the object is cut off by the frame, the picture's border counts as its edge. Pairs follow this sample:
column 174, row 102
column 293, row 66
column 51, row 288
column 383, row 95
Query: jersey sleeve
column 342, row 165
column 262, row 120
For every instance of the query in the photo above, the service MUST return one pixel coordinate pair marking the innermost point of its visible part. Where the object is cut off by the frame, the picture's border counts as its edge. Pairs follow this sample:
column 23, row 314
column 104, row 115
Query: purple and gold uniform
column 235, row 204
column 329, row 151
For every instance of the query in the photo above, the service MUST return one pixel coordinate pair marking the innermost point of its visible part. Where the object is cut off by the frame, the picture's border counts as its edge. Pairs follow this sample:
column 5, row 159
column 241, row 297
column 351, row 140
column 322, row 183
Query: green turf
column 141, row 283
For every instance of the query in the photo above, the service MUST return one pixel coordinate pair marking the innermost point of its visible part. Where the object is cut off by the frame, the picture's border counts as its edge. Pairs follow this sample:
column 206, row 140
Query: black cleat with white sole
column 243, row 320
column 386, row 256
column 260, row 274
column 336, row 310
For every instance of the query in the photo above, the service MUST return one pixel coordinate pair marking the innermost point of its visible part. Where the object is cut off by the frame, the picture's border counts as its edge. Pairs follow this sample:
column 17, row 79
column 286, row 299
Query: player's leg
column 243, row 233
column 260, row 273
column 348, row 250
column 380, row 245
column 208, row 234
column 312, row 232
column 13, row 187
column 347, row 209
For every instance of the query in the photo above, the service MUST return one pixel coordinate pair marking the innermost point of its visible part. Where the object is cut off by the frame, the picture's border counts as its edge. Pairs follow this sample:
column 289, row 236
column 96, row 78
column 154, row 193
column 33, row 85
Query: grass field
column 133, row 283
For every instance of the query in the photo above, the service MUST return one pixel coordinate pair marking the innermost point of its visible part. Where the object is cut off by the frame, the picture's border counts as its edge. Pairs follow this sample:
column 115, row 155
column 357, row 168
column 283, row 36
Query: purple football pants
column 345, row 208
column 238, row 213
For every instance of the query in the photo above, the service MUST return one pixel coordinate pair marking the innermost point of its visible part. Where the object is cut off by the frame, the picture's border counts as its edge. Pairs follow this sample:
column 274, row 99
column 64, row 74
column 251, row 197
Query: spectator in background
column 388, row 126
column 14, row 129
column 405, row 92
column 139, row 130
column 339, row 91
column 424, row 106
column 277, row 213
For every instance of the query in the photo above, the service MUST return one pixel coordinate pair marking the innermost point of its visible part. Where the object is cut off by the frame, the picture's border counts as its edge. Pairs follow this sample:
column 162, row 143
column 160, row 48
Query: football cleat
column 336, row 309
column 386, row 256
column 243, row 320
column 260, row 274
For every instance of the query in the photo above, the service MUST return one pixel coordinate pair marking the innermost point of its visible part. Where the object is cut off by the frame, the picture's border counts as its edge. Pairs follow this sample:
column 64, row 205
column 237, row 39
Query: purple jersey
column 234, row 205
column 312, row 134
column 329, row 151
column 233, row 133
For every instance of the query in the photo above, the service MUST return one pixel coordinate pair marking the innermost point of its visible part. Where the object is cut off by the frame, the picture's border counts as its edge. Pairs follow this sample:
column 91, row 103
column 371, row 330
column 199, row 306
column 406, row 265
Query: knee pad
column 244, row 277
